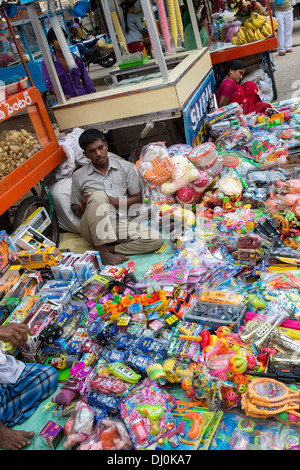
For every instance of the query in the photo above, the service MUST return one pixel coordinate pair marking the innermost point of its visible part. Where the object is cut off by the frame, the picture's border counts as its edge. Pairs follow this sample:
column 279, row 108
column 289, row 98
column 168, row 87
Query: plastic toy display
column 201, row 349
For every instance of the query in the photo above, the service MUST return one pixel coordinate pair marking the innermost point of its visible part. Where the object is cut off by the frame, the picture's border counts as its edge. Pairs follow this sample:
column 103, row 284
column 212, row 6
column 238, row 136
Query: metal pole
column 155, row 40
column 194, row 24
column 41, row 39
column 111, row 30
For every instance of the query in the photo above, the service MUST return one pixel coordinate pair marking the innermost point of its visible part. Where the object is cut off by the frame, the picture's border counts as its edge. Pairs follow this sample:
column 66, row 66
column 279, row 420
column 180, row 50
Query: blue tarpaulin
column 81, row 8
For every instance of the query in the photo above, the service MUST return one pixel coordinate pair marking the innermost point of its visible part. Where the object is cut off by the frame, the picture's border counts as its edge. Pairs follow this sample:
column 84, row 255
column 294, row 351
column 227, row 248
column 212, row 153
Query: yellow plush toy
column 184, row 173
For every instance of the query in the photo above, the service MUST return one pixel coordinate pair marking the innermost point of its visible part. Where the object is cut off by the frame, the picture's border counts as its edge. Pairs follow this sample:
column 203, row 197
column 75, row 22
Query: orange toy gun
column 196, row 419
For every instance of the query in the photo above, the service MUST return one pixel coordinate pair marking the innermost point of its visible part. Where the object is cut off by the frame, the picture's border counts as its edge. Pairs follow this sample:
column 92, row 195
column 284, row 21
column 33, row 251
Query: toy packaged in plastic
column 92, row 289
column 7, row 253
column 234, row 138
column 155, row 164
column 28, row 284
column 110, row 434
column 239, row 432
column 183, row 174
column 146, row 412
column 223, row 113
column 9, row 279
column 179, row 149
column 79, row 426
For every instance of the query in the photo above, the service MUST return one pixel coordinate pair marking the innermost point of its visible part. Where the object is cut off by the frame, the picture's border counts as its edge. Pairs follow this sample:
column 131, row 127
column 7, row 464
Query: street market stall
column 194, row 346
column 165, row 91
column 245, row 33
column 29, row 146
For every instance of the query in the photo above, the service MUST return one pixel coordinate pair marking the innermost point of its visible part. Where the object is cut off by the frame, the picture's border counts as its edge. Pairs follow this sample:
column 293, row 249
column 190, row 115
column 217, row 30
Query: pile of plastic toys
column 203, row 350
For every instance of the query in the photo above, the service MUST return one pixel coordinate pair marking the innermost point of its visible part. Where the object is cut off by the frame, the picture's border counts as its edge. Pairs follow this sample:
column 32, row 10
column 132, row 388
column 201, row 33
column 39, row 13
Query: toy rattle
column 237, row 364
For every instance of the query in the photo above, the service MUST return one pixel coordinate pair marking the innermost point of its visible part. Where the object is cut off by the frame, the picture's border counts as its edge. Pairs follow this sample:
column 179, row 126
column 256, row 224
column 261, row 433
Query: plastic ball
column 237, row 364
column 292, row 418
column 222, row 331
column 186, row 195
column 241, row 388
column 250, row 358
column 207, row 348
column 284, row 416
column 293, row 387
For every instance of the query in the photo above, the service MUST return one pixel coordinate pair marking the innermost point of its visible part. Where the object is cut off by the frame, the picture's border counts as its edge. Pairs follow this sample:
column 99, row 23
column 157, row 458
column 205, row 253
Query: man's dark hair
column 89, row 136
column 51, row 36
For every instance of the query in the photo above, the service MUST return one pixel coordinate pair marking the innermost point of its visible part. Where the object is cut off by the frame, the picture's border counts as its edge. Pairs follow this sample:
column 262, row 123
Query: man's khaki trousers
column 129, row 237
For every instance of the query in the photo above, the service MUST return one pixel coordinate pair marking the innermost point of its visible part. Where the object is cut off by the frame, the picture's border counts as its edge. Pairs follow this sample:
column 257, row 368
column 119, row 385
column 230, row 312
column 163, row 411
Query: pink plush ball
column 185, row 195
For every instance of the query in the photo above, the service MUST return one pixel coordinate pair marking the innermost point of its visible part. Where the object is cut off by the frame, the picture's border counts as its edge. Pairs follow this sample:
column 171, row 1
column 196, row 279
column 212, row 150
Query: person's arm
column 86, row 79
column 134, row 189
column 78, row 209
column 226, row 90
column 223, row 100
column 129, row 201
column 48, row 81
column 78, row 200
column 47, row 78
column 138, row 24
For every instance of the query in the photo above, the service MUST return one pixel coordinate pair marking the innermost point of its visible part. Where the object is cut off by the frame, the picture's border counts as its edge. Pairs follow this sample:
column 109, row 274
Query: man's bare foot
column 108, row 255
column 10, row 439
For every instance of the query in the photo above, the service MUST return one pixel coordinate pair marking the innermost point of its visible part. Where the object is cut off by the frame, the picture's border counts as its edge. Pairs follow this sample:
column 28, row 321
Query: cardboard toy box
column 28, row 284
column 52, row 434
column 87, row 265
column 8, row 255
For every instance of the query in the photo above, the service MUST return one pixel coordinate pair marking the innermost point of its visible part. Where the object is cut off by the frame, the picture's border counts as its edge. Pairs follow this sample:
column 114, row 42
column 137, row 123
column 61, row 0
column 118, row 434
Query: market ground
column 287, row 70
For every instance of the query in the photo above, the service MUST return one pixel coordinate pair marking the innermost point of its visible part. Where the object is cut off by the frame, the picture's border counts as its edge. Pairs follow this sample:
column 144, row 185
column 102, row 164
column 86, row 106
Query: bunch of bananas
column 255, row 28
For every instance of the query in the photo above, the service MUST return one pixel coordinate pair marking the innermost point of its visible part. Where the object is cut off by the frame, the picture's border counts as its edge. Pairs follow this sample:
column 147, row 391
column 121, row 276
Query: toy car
column 50, row 333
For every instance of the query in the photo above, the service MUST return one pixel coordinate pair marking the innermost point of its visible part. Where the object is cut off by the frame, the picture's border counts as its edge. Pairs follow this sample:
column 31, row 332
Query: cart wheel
column 27, row 207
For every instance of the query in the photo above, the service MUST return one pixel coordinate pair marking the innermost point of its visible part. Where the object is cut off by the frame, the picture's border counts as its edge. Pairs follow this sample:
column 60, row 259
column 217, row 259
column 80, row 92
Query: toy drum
column 204, row 155
column 214, row 169
column 179, row 149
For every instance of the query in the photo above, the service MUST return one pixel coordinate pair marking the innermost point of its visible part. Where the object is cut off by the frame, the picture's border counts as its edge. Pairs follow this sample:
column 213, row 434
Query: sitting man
column 104, row 193
column 22, row 388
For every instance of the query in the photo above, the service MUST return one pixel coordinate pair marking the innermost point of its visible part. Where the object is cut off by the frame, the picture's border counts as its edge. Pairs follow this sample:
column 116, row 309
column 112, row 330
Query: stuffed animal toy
column 184, row 173
column 155, row 164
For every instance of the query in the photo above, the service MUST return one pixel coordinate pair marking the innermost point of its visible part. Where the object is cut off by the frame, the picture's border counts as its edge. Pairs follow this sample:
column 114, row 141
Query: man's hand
column 84, row 200
column 114, row 201
column 17, row 334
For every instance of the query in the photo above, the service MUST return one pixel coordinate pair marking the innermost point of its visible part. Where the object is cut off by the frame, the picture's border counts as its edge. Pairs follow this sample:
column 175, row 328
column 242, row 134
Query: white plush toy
column 184, row 173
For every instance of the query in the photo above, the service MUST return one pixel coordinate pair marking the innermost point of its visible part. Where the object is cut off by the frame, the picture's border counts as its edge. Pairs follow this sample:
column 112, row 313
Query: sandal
column 290, row 50
column 281, row 53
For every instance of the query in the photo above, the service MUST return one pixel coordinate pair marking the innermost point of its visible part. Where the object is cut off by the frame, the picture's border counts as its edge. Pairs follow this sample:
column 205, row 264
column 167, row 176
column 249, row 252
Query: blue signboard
column 195, row 111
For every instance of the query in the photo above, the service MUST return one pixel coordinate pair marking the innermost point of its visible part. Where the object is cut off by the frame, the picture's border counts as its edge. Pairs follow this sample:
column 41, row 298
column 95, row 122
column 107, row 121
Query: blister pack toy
column 216, row 308
column 190, row 424
column 146, row 412
column 239, row 432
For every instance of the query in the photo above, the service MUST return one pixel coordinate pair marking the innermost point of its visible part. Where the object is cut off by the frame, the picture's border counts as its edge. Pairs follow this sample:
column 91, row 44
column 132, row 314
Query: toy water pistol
column 154, row 413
